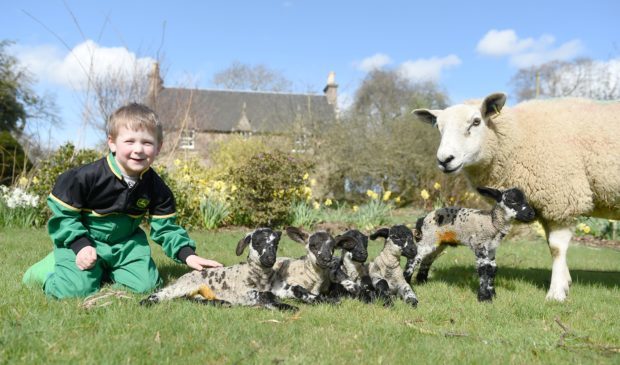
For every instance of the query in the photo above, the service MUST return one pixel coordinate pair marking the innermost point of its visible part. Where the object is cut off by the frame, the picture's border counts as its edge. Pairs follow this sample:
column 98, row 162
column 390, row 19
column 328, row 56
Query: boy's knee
column 74, row 287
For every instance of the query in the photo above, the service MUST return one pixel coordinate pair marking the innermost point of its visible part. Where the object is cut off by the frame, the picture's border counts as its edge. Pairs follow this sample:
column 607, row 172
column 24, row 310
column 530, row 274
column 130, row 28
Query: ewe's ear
column 491, row 193
column 492, row 105
column 297, row 235
column 426, row 116
column 243, row 243
column 383, row 232
column 346, row 242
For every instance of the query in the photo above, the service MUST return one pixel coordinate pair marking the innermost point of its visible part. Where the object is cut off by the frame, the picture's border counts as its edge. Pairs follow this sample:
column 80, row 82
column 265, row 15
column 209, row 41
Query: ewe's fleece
column 563, row 153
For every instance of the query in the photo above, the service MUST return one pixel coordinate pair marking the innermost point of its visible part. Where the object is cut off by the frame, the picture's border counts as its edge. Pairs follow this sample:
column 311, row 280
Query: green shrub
column 267, row 185
column 44, row 176
column 598, row 227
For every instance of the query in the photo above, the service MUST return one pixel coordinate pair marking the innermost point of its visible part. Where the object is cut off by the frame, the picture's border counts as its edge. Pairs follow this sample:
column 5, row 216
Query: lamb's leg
column 382, row 290
column 407, row 294
column 185, row 285
column 485, row 262
column 558, row 239
column 426, row 262
column 213, row 302
column 270, row 301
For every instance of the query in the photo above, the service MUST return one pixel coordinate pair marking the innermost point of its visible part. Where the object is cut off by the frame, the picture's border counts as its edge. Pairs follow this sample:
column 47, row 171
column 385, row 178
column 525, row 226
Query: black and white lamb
column 246, row 284
column 352, row 265
column 385, row 271
column 481, row 230
column 308, row 277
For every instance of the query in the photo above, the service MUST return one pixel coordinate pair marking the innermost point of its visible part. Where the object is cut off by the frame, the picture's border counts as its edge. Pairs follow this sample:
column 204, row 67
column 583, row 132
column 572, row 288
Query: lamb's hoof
column 147, row 302
column 285, row 307
column 412, row 301
column 421, row 279
column 485, row 296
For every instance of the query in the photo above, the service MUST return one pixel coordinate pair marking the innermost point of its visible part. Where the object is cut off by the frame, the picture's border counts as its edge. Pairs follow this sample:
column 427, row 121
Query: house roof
column 229, row 111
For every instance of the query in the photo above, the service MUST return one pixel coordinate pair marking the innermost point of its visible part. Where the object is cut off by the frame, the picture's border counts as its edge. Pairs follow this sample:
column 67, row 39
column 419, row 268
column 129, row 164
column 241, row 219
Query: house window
column 187, row 141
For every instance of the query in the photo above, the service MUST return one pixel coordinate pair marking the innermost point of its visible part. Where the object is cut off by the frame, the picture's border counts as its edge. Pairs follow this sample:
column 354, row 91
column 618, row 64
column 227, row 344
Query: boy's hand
column 86, row 258
column 198, row 263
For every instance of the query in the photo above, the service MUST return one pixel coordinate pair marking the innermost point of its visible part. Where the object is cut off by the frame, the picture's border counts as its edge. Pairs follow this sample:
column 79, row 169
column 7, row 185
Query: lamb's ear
column 346, row 242
column 492, row 105
column 243, row 243
column 426, row 115
column 297, row 235
column 383, row 232
column 491, row 193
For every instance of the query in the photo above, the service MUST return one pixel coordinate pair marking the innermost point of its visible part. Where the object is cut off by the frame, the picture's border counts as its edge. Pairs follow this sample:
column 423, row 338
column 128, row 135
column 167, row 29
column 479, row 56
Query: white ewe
column 564, row 154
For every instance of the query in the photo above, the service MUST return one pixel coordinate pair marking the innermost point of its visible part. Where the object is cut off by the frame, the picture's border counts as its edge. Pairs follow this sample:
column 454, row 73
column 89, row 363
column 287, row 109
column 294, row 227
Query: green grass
column 449, row 325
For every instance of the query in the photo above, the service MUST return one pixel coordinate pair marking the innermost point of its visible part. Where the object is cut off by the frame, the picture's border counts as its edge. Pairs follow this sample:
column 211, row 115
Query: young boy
column 97, row 210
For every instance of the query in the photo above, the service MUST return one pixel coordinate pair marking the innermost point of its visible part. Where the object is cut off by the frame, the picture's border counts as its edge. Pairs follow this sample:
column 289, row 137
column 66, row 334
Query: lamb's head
column 320, row 245
column 359, row 251
column 263, row 243
column 400, row 237
column 512, row 201
column 463, row 130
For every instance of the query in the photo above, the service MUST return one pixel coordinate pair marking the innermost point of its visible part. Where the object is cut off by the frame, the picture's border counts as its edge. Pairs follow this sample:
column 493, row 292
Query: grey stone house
column 193, row 118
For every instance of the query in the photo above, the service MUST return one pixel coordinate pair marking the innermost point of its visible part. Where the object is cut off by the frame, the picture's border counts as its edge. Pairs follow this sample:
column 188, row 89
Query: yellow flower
column 586, row 229
column 233, row 188
column 306, row 176
column 307, row 191
column 312, row 182
column 177, row 162
column 437, row 186
column 355, row 208
column 452, row 199
column 316, row 205
column 386, row 195
column 372, row 195
column 35, row 180
column 424, row 194
column 369, row 192
column 397, row 200
column 328, row 202
column 23, row 181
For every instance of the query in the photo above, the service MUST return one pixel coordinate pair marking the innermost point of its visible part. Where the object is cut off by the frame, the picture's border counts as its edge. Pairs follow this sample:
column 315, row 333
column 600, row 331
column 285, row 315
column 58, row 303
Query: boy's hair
column 135, row 116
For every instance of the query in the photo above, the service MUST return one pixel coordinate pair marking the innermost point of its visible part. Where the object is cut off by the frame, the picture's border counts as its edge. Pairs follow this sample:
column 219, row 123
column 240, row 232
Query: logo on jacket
column 142, row 203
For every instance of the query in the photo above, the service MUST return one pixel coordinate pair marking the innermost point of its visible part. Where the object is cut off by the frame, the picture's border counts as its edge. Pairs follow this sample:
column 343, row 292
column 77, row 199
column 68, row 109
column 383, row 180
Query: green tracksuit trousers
column 127, row 263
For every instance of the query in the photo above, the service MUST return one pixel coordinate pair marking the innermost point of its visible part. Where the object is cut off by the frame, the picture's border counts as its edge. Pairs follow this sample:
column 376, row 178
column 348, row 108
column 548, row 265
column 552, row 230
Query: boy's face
column 135, row 150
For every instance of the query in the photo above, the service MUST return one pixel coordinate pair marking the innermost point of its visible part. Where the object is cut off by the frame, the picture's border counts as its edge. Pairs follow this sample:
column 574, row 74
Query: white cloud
column 428, row 69
column 526, row 52
column 73, row 69
column 374, row 62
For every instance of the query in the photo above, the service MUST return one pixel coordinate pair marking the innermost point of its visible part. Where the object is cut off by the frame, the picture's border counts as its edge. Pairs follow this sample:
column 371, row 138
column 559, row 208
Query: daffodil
column 386, row 195
column 397, row 200
column 306, row 176
column 355, row 208
column 312, row 182
column 316, row 205
column 424, row 194
column 437, row 186
column 328, row 202
column 23, row 181
column 35, row 180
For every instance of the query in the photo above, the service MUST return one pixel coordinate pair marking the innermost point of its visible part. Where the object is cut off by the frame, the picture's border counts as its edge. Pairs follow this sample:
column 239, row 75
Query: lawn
column 449, row 325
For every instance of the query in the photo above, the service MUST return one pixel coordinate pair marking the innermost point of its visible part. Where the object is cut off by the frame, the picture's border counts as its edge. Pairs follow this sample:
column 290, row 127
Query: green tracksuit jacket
column 92, row 205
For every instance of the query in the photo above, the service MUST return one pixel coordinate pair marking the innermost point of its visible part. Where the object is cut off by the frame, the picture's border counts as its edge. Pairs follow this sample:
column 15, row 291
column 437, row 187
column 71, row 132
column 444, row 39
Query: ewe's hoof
column 557, row 295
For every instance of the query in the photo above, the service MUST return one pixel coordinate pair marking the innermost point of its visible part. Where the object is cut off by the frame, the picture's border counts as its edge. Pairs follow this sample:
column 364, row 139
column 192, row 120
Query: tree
column 240, row 76
column 391, row 148
column 581, row 77
column 19, row 104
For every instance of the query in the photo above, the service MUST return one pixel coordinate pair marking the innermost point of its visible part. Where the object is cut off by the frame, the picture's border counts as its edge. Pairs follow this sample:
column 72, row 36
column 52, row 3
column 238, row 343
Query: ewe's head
column 263, row 243
column 359, row 251
column 512, row 201
column 463, row 131
column 320, row 245
column 401, row 237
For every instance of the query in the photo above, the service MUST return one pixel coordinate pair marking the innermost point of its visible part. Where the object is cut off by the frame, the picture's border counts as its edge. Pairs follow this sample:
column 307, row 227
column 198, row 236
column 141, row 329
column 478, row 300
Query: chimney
column 331, row 91
column 155, row 85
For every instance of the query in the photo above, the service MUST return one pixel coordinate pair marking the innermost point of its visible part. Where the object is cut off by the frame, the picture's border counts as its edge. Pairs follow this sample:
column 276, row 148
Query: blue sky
column 471, row 48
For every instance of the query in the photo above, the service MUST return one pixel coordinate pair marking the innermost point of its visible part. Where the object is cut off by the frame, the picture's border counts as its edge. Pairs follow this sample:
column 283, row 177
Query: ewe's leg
column 559, row 238
column 486, row 270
